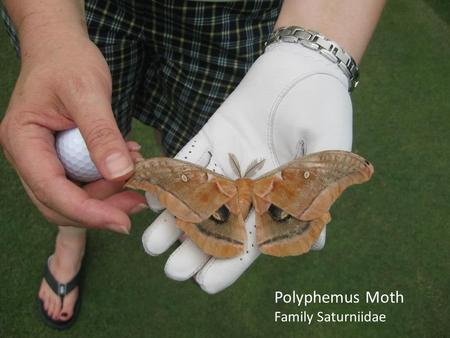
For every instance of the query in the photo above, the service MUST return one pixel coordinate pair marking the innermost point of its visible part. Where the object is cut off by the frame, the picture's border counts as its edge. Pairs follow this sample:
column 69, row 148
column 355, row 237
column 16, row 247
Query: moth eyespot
column 278, row 214
column 306, row 175
column 184, row 178
column 221, row 215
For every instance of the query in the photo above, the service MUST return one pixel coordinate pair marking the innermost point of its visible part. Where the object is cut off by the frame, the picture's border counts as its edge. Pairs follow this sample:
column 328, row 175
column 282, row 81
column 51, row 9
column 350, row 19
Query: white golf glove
column 292, row 99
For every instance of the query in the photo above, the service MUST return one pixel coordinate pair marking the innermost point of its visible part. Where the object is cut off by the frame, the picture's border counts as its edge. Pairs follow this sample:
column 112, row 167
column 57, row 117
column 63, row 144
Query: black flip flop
column 61, row 290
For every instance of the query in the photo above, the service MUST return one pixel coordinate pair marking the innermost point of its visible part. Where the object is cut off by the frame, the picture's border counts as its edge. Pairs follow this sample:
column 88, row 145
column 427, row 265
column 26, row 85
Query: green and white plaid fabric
column 174, row 62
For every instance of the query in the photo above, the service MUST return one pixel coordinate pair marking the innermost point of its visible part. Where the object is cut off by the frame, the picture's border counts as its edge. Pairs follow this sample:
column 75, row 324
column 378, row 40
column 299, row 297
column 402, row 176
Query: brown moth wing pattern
column 279, row 233
column 222, row 240
column 188, row 191
column 307, row 187
column 297, row 197
column 296, row 238
column 193, row 194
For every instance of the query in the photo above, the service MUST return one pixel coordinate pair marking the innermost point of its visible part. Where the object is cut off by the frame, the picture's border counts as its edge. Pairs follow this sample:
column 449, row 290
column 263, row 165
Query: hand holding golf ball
column 74, row 155
column 55, row 92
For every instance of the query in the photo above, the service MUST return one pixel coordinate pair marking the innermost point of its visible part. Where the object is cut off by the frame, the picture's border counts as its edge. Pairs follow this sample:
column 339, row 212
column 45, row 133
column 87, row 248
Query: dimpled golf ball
column 74, row 156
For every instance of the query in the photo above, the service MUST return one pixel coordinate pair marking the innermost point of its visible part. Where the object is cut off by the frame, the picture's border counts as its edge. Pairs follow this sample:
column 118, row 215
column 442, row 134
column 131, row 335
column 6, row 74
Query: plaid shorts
column 174, row 62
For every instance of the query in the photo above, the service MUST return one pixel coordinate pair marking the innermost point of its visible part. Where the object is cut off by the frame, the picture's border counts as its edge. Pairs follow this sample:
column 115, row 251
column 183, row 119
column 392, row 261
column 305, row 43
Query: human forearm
column 348, row 22
column 41, row 22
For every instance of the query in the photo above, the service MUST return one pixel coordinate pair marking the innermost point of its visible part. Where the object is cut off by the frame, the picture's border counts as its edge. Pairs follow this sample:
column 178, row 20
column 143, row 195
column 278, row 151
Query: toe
column 46, row 304
column 50, row 307
column 68, row 305
column 54, row 309
column 45, row 297
column 65, row 315
column 57, row 309
column 42, row 296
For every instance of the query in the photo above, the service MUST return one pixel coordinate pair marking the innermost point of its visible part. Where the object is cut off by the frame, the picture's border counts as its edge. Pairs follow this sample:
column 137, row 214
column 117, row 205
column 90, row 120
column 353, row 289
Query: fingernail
column 118, row 165
column 138, row 208
column 125, row 230
column 118, row 228
column 134, row 146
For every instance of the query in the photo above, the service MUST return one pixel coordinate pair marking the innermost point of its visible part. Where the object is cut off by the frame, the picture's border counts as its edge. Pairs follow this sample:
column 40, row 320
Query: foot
column 64, row 265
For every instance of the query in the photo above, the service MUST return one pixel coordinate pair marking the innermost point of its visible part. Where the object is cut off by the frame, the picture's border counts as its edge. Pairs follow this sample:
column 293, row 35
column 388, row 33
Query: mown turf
column 390, row 234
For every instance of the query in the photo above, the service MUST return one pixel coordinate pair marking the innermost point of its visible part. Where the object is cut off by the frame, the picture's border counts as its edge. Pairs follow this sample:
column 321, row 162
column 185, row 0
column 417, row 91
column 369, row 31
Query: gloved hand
column 292, row 99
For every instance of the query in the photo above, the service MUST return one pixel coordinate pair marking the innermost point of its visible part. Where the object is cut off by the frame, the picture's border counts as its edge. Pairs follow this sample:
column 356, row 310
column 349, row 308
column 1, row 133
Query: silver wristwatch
column 322, row 45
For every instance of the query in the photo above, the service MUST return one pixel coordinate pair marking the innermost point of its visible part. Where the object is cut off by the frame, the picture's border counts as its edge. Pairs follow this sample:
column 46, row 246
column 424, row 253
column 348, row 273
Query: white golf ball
column 74, row 156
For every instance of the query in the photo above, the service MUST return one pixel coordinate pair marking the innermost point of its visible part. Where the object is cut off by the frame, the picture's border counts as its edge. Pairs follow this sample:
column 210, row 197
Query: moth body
column 245, row 192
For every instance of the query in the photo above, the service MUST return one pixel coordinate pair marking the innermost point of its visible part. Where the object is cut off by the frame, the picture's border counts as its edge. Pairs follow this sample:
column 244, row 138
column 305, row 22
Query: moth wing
column 292, row 202
column 188, row 191
column 193, row 194
column 296, row 238
column 307, row 187
column 219, row 239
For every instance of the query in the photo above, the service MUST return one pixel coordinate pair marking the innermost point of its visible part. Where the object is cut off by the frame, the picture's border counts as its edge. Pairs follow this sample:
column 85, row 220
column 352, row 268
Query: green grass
column 390, row 234
column 441, row 8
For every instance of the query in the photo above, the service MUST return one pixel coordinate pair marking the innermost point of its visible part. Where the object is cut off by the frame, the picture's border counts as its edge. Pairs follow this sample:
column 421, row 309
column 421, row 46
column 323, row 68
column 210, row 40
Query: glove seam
column 204, row 271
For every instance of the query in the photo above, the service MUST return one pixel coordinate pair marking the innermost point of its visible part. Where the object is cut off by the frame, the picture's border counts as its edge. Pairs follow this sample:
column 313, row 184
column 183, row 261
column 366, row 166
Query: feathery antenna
column 254, row 167
column 234, row 164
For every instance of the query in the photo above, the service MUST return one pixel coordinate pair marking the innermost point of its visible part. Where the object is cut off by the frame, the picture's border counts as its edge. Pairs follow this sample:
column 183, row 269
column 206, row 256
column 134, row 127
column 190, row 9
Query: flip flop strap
column 61, row 289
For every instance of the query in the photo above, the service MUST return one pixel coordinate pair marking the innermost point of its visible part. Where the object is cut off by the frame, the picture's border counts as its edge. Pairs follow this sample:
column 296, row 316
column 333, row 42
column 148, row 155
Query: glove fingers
column 161, row 234
column 185, row 261
column 218, row 274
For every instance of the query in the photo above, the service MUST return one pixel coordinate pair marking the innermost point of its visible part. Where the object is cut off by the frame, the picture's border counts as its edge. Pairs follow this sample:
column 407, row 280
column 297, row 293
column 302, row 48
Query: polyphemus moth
column 291, row 202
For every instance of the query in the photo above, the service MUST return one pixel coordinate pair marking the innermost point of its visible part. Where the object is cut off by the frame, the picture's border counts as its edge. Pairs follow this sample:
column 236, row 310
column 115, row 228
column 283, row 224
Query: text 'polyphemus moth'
column 291, row 202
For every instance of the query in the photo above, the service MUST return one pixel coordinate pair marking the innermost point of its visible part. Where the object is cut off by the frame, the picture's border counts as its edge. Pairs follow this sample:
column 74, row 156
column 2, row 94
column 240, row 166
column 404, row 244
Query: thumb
column 93, row 115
